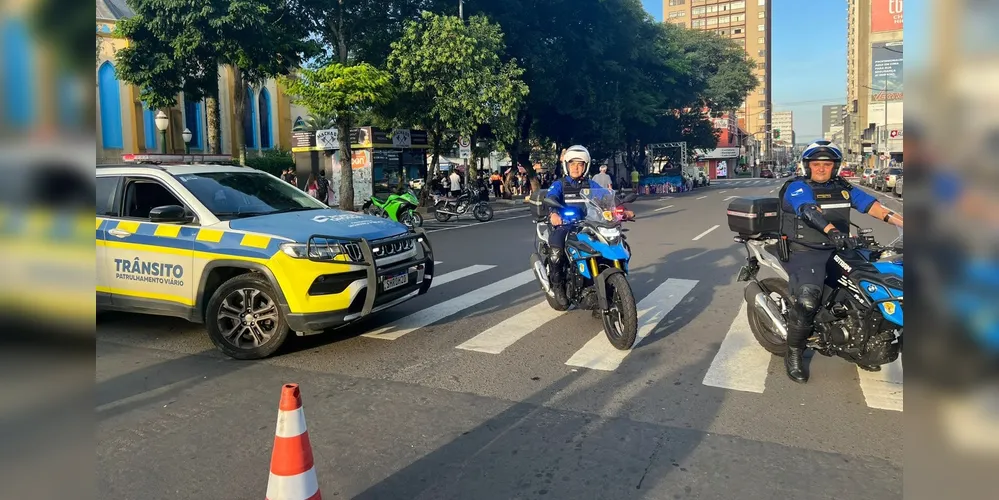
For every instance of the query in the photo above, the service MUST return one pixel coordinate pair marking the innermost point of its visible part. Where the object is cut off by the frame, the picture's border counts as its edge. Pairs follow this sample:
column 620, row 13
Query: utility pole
column 885, row 151
column 461, row 10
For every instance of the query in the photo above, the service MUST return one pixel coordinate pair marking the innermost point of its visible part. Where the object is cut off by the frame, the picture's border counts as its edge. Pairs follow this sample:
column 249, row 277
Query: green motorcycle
column 398, row 207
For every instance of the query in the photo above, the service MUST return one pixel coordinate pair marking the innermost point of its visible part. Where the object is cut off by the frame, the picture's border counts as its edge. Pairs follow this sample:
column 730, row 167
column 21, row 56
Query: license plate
column 395, row 281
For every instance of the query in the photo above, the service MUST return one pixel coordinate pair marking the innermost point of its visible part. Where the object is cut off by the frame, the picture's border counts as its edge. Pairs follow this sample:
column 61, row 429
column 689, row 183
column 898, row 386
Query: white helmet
column 576, row 153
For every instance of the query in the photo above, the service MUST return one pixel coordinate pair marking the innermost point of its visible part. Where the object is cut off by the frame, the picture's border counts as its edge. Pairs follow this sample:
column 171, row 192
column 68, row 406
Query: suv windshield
column 243, row 194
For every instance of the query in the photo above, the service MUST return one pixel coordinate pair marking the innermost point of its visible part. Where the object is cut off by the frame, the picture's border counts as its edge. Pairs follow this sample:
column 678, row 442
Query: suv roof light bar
column 158, row 159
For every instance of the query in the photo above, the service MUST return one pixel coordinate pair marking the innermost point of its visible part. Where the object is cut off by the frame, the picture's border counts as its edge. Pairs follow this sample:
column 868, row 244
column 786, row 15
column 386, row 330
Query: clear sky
column 809, row 59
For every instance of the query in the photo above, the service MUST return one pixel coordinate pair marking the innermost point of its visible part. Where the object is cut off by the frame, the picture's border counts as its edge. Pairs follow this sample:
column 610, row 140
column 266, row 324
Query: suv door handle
column 121, row 233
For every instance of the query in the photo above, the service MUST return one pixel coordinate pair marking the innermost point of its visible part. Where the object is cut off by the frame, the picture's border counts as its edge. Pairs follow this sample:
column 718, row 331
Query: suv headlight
column 324, row 251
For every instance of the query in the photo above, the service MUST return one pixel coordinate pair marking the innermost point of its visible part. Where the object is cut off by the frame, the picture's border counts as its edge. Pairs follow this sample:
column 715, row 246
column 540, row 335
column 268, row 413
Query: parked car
column 868, row 176
column 898, row 186
column 885, row 180
column 846, row 171
column 766, row 174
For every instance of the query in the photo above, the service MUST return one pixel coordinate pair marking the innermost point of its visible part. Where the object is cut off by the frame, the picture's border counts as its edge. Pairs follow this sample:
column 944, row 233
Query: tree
column 178, row 45
column 340, row 91
column 454, row 74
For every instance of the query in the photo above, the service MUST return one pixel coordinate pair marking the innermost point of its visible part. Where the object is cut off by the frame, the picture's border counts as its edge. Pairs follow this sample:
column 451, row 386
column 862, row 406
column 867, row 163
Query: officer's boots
column 794, row 363
column 557, row 275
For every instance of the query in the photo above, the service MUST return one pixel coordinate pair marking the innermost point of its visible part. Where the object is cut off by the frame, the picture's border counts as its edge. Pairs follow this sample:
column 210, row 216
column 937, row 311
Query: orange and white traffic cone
column 293, row 472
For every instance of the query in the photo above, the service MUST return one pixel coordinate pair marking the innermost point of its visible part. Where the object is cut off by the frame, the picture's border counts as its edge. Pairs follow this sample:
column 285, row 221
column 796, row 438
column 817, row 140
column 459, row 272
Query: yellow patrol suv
column 247, row 254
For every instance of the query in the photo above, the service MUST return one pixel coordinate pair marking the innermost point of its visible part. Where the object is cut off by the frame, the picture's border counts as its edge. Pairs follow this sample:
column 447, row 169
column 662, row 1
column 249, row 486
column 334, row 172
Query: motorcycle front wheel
column 483, row 212
column 621, row 320
column 412, row 218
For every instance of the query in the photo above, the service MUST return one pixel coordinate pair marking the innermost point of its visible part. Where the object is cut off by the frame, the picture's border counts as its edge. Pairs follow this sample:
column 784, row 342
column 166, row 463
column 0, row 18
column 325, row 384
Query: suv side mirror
column 169, row 214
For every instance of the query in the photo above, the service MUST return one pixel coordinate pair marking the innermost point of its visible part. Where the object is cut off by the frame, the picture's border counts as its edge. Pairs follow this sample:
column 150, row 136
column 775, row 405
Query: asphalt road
column 477, row 391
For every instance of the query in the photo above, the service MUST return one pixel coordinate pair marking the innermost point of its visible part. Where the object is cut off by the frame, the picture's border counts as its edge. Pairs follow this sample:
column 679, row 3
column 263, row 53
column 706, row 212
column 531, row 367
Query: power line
column 836, row 100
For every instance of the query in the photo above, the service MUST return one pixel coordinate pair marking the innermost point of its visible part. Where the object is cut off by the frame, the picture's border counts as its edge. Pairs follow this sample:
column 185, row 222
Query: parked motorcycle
column 860, row 318
column 446, row 207
column 597, row 268
column 398, row 207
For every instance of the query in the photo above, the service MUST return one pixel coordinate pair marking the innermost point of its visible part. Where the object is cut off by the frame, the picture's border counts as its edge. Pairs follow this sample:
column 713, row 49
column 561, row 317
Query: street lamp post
column 162, row 123
column 187, row 135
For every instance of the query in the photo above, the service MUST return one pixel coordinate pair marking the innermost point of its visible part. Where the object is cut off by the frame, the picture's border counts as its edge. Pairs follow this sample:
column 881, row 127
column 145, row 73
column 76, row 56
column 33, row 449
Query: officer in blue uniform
column 815, row 217
column 575, row 162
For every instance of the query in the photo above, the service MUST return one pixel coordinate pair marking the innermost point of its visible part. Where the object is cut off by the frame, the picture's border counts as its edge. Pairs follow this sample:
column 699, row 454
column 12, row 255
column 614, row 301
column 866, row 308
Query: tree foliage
column 178, row 45
column 454, row 75
column 340, row 91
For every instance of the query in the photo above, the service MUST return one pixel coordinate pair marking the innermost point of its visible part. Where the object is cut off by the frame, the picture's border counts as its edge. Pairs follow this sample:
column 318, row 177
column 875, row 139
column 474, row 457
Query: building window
column 762, row 2
column 738, row 18
column 697, row 11
column 738, row 5
column 760, row 40
column 264, row 105
column 679, row 13
column 712, row 21
column 697, row 23
column 763, row 53
column 724, row 19
column 676, row 2
column 110, row 107
column 761, row 14
column 711, row 9
column 763, row 115
column 741, row 42
column 193, row 122
column 761, row 27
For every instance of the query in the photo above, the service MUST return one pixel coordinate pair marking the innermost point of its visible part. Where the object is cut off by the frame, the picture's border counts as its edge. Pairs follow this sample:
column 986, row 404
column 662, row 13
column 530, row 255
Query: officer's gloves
column 841, row 240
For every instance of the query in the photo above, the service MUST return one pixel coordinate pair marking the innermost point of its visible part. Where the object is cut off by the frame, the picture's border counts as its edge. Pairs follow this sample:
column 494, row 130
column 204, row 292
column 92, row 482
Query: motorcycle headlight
column 610, row 233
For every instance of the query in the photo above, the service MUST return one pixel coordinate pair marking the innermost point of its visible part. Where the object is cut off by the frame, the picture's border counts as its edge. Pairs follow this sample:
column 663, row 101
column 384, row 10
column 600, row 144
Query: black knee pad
column 808, row 299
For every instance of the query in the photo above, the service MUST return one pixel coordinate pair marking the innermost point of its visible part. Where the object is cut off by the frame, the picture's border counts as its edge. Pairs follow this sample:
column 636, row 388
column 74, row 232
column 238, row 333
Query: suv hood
column 299, row 226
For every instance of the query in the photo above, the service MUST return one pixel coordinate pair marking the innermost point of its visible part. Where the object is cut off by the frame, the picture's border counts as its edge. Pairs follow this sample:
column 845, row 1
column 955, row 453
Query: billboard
column 886, row 70
column 886, row 15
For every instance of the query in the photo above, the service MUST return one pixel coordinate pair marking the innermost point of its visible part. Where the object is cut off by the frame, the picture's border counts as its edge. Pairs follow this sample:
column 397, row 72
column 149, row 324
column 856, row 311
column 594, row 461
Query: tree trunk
column 435, row 151
column 346, row 164
column 239, row 101
column 214, row 124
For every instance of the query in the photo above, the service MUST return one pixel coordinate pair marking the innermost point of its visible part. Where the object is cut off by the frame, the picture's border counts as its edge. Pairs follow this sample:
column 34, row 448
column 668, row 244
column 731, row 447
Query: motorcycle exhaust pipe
column 761, row 302
column 540, row 272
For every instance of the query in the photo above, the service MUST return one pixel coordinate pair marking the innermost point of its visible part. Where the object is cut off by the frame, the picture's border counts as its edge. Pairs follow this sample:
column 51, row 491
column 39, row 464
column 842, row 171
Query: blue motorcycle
column 597, row 274
column 860, row 318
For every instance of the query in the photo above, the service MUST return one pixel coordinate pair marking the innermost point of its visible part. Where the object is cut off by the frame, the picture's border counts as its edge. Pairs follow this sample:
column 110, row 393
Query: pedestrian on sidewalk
column 602, row 178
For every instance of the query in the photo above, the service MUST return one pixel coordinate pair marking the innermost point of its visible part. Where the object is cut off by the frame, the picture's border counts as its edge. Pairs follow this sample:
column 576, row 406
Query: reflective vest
column 832, row 198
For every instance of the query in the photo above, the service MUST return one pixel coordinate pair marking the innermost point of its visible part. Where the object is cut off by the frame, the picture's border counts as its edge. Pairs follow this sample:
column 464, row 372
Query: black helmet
column 821, row 150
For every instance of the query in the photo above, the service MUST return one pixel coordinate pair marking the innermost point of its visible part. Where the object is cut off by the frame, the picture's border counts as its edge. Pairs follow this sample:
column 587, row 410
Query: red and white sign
column 886, row 15
column 895, row 133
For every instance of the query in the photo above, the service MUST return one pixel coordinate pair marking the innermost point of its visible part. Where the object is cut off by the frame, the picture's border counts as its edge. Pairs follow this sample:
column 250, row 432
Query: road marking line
column 723, row 191
column 477, row 224
column 459, row 274
column 666, row 198
column 663, row 208
column 506, row 333
column 740, row 364
column 599, row 354
column 437, row 262
column 705, row 233
column 772, row 190
column 702, row 197
column 729, row 198
column 437, row 312
column 883, row 389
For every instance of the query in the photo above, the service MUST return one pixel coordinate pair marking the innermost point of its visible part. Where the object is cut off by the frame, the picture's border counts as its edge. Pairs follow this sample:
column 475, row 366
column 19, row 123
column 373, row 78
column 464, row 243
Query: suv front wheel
column 244, row 320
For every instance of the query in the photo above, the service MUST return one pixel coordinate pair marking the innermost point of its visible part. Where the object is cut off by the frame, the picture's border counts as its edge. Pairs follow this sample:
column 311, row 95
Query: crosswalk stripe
column 459, row 274
column 883, row 389
column 506, row 333
column 598, row 354
column 667, row 207
column 437, row 312
column 740, row 364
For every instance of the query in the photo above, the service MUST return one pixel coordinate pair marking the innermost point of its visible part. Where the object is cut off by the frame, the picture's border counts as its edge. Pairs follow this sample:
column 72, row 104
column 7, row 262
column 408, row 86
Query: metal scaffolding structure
column 684, row 159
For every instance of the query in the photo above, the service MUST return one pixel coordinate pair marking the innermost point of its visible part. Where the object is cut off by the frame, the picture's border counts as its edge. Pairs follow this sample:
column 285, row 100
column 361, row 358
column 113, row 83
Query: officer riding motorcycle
column 575, row 163
column 815, row 219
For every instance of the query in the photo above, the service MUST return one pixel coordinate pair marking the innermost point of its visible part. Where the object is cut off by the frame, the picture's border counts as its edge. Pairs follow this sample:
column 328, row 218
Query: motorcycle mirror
column 551, row 203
